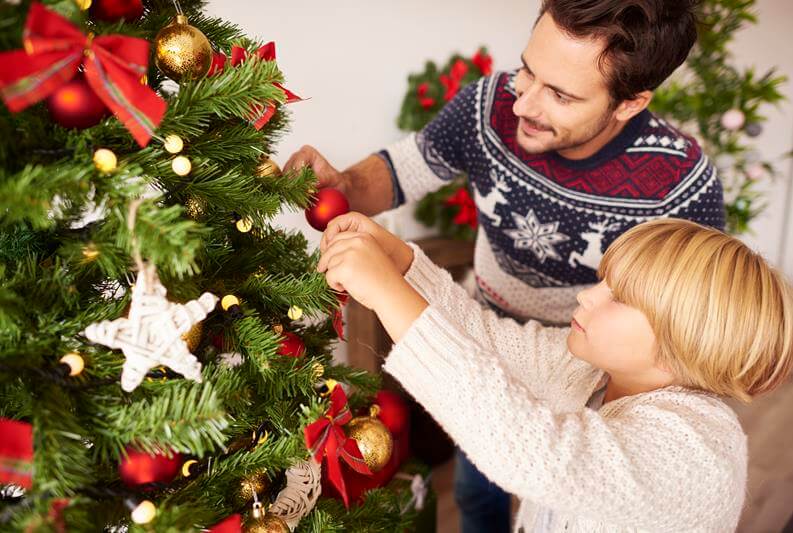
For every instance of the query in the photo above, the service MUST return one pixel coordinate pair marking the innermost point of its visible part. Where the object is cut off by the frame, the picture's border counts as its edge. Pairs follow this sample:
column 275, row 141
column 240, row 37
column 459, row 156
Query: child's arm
column 674, row 461
column 535, row 353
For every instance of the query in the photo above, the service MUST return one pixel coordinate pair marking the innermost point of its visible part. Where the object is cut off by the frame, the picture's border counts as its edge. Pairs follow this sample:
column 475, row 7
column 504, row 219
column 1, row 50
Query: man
column 562, row 157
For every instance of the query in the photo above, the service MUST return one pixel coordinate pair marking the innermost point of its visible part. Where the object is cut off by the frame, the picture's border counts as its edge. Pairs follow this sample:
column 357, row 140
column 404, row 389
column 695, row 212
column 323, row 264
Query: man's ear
column 627, row 109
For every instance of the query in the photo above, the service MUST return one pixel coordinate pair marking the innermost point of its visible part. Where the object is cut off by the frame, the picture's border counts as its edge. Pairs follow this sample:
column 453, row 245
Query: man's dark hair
column 645, row 40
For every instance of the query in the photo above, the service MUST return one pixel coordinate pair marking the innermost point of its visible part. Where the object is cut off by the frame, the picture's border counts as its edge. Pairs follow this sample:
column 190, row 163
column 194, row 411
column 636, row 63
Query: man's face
column 563, row 101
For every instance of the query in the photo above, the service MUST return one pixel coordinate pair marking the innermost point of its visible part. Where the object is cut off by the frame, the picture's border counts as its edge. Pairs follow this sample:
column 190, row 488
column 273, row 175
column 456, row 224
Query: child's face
column 612, row 336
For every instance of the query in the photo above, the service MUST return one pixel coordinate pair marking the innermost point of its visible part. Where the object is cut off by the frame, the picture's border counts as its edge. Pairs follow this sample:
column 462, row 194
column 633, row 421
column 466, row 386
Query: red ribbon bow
column 114, row 66
column 467, row 212
column 16, row 453
column 452, row 81
column 262, row 113
column 326, row 437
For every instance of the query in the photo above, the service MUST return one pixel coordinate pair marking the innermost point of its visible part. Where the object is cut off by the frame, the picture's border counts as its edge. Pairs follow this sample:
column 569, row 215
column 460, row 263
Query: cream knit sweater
column 513, row 398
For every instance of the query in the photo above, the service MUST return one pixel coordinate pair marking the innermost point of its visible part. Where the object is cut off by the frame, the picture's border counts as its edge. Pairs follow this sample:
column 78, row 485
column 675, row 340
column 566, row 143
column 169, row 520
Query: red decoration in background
column 394, row 412
column 76, row 105
column 467, row 213
column 232, row 524
column 452, row 80
column 16, row 453
column 326, row 438
column 421, row 91
column 113, row 10
column 140, row 468
column 292, row 345
column 484, row 62
column 55, row 514
column 260, row 114
column 113, row 65
column 328, row 204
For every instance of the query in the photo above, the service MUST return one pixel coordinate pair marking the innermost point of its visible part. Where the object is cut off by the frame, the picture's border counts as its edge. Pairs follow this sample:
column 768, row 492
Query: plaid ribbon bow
column 261, row 113
column 326, row 437
column 114, row 66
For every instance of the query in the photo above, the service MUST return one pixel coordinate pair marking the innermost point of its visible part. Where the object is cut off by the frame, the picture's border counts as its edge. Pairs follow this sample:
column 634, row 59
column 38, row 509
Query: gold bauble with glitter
column 267, row 168
column 195, row 207
column 265, row 523
column 257, row 483
column 374, row 439
column 182, row 52
column 193, row 336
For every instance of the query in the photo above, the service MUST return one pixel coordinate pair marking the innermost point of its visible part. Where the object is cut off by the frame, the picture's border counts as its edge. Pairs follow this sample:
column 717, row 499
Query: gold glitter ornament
column 261, row 522
column 105, row 160
column 374, row 439
column 90, row 252
column 193, row 337
column 182, row 52
column 256, row 483
column 267, row 168
column 195, row 207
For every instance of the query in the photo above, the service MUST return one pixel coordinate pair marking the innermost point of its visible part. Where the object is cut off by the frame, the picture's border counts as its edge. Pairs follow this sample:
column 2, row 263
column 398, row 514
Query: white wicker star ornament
column 151, row 335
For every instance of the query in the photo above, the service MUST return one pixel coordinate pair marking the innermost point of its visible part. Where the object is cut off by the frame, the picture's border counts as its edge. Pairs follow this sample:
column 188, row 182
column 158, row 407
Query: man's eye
column 562, row 99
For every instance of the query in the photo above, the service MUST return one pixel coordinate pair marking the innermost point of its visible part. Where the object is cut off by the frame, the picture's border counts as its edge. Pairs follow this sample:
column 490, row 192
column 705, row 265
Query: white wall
column 352, row 58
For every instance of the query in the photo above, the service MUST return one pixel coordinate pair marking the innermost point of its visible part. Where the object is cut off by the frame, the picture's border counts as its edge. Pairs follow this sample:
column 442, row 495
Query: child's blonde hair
column 723, row 318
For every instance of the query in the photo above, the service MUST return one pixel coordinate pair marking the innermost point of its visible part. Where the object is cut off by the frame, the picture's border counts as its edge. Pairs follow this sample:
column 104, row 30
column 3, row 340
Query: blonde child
column 612, row 424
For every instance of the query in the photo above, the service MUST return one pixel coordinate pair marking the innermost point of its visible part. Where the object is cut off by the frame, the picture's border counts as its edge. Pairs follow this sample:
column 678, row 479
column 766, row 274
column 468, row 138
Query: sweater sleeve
column 536, row 354
column 429, row 159
column 671, row 464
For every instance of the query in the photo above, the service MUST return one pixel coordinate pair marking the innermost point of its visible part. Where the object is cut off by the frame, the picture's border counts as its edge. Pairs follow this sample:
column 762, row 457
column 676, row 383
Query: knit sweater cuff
column 424, row 275
column 426, row 355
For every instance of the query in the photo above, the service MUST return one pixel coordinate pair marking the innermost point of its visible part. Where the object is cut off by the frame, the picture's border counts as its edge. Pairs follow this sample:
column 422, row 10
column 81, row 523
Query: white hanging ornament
column 733, row 119
column 151, row 335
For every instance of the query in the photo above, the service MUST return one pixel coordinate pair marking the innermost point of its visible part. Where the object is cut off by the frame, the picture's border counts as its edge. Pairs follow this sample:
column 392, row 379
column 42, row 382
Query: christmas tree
column 165, row 351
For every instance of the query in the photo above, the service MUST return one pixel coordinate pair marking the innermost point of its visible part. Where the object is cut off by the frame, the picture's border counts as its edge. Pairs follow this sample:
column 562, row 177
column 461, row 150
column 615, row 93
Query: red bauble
column 75, row 105
column 394, row 412
column 113, row 10
column 140, row 468
column 292, row 345
column 329, row 204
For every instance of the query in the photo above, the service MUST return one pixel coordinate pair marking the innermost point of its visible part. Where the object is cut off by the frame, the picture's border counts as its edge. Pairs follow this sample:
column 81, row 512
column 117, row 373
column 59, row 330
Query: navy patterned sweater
column 545, row 221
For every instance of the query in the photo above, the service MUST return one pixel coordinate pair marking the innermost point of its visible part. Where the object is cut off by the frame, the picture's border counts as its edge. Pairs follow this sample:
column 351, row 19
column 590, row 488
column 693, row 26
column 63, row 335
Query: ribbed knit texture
column 514, row 399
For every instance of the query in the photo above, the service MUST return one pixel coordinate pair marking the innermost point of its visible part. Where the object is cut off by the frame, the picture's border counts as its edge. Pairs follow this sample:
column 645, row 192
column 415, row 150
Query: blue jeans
column 484, row 507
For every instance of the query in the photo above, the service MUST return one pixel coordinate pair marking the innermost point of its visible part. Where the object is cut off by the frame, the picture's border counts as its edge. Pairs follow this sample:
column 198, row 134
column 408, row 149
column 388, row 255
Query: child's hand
column 400, row 253
column 354, row 262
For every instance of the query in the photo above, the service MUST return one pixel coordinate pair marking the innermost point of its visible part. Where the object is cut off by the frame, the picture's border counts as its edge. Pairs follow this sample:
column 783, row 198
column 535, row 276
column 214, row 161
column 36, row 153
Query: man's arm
column 367, row 184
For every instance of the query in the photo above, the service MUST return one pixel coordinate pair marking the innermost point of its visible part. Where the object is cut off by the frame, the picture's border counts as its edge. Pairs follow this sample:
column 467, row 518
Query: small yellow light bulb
column 75, row 363
column 173, row 144
column 105, row 160
column 144, row 512
column 181, row 165
column 295, row 312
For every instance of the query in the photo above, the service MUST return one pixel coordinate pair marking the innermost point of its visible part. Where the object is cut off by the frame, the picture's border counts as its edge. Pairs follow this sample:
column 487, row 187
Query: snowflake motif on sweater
column 545, row 220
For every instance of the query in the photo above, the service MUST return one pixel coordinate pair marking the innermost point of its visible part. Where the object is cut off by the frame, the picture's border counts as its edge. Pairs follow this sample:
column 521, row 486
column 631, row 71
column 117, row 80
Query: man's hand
column 400, row 253
column 327, row 175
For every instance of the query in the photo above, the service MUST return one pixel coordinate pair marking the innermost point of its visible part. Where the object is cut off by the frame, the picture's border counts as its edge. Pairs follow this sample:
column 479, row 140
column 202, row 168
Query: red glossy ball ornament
column 329, row 204
column 75, row 105
column 292, row 345
column 140, row 468
column 113, row 10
